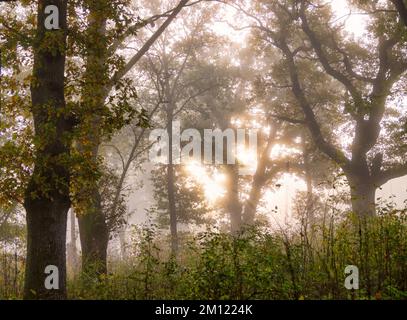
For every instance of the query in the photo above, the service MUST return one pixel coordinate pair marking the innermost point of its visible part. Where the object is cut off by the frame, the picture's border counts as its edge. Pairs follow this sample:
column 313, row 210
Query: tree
column 101, row 50
column 171, row 67
column 239, row 102
column 47, row 198
column 367, row 76
column 58, row 124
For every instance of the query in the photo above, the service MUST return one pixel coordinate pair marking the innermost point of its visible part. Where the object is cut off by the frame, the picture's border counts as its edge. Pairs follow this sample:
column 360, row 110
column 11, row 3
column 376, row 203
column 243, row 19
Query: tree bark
column 363, row 194
column 47, row 196
column 93, row 229
column 94, row 235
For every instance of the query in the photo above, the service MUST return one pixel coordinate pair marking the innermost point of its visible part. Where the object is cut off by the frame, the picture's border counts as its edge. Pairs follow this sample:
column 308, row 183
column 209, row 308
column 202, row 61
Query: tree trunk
column 310, row 194
column 93, row 229
column 72, row 249
column 47, row 196
column 309, row 211
column 171, row 188
column 123, row 244
column 46, row 239
column 253, row 201
column 363, row 194
column 233, row 205
column 94, row 235
column 259, row 179
column 172, row 208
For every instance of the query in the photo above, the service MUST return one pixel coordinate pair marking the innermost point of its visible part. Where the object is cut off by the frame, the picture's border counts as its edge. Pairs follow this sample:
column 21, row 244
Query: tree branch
column 402, row 10
column 132, row 29
column 389, row 174
column 288, row 119
column 317, row 45
column 329, row 149
column 120, row 74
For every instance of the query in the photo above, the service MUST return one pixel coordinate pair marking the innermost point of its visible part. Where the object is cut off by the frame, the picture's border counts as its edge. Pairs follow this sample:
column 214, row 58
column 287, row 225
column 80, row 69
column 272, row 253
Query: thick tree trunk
column 363, row 195
column 94, row 236
column 259, row 180
column 93, row 228
column 47, row 195
column 46, row 240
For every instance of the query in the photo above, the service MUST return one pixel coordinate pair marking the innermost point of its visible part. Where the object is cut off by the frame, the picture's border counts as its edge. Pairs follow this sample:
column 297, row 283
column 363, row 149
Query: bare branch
column 132, row 29
column 120, row 74
column 117, row 151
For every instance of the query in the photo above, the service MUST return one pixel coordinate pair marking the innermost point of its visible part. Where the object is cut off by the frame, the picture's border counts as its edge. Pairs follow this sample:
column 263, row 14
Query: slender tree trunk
column 73, row 237
column 172, row 208
column 233, row 205
column 72, row 250
column 308, row 181
column 47, row 196
column 171, row 186
column 123, row 244
column 309, row 212
column 253, row 201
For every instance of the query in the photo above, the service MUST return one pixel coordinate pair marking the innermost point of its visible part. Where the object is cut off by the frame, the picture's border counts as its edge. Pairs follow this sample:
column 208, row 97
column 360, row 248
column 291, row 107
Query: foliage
column 260, row 264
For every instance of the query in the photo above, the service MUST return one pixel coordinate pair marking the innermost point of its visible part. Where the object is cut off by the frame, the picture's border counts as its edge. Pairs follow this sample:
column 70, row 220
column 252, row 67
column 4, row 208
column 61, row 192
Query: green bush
column 260, row 264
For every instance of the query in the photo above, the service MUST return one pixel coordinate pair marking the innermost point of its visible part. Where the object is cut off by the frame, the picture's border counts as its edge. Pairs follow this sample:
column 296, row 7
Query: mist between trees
column 198, row 149
column 86, row 87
